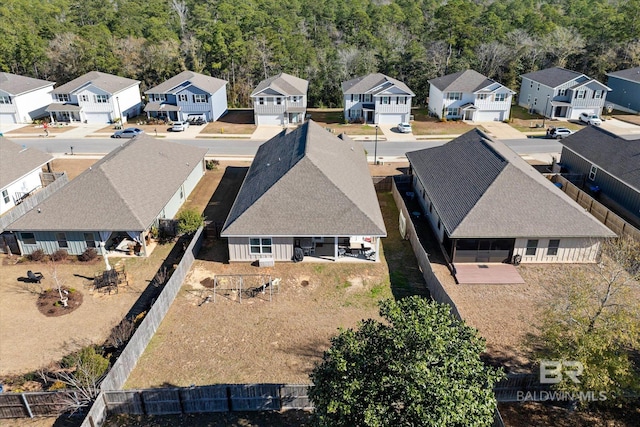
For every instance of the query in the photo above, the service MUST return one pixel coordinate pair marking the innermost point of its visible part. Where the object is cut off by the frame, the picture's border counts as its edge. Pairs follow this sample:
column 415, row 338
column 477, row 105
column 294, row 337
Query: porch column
column 377, row 249
column 335, row 248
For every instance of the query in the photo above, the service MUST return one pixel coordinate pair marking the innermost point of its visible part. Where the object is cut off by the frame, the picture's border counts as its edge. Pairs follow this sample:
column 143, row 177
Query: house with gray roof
column 23, row 99
column 625, row 90
column 20, row 172
column 187, row 96
column 601, row 161
column 485, row 204
column 307, row 191
column 558, row 93
column 96, row 97
column 468, row 95
column 280, row 100
column 377, row 99
column 119, row 198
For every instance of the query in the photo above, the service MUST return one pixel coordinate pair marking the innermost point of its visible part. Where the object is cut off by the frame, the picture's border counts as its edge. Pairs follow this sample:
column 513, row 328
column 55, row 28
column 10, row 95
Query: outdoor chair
column 34, row 277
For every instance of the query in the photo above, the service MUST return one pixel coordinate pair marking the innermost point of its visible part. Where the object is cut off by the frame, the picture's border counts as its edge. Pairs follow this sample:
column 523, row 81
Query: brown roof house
column 307, row 193
column 486, row 204
column 116, row 201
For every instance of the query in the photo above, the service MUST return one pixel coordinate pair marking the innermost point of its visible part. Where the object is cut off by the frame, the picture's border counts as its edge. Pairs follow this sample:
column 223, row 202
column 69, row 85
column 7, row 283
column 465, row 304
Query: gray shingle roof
column 206, row 83
column 307, row 182
column 16, row 161
column 467, row 81
column 125, row 190
column 482, row 189
column 618, row 156
column 631, row 74
column 14, row 84
column 107, row 82
column 283, row 83
column 553, row 77
column 369, row 82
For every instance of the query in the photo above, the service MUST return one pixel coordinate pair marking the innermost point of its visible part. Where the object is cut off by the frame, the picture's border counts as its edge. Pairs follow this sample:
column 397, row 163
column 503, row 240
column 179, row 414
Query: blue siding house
column 625, row 90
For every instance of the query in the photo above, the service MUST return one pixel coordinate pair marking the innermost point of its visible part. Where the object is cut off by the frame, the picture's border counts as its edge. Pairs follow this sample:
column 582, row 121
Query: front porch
column 64, row 113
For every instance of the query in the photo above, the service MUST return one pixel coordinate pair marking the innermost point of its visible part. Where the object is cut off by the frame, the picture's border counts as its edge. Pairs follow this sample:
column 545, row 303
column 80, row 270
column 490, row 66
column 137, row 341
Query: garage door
column 98, row 117
column 575, row 112
column 391, row 119
column 489, row 116
column 6, row 118
column 266, row 119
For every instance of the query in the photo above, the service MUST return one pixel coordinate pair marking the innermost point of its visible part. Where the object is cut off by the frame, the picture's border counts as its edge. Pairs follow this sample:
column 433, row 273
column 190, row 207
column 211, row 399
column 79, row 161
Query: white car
column 590, row 119
column 179, row 126
column 559, row 133
column 404, row 128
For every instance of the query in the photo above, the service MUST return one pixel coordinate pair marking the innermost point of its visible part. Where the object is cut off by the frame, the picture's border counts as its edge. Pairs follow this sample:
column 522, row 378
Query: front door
column 468, row 115
column 368, row 116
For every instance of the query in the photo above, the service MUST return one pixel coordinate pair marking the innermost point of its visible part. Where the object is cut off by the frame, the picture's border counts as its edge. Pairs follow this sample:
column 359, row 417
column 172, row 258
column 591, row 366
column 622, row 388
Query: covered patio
column 354, row 248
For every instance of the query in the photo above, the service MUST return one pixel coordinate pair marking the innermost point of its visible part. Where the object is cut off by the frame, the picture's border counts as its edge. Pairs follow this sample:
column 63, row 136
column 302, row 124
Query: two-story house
column 188, row 95
column 96, row 97
column 468, row 95
column 280, row 100
column 23, row 99
column 377, row 99
column 625, row 90
column 558, row 93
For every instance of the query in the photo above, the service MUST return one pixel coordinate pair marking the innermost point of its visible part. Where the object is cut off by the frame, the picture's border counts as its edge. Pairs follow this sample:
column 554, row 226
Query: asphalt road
column 241, row 148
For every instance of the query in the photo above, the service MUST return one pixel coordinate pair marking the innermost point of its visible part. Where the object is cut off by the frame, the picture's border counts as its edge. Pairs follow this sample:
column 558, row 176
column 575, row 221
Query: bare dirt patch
column 235, row 122
column 39, row 130
column 423, row 124
column 49, row 302
column 73, row 167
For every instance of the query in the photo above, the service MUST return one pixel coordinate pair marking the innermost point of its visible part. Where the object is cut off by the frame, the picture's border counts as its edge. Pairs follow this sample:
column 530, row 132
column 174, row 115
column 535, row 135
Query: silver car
column 127, row 133
column 404, row 128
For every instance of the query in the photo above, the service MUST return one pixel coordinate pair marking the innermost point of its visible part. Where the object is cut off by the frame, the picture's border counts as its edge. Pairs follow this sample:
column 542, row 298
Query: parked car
column 179, row 126
column 404, row 128
column 127, row 133
column 558, row 133
column 590, row 119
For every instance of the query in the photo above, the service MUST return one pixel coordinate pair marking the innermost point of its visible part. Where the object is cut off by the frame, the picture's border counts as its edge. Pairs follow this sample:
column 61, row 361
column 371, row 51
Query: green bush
column 189, row 220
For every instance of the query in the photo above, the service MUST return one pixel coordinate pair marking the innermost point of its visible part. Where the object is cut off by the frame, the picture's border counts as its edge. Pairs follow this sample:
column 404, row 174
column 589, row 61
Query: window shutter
column 194, row 98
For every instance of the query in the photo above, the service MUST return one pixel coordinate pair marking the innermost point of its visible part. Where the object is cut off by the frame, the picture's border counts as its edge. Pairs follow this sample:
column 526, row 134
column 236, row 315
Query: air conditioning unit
column 266, row 262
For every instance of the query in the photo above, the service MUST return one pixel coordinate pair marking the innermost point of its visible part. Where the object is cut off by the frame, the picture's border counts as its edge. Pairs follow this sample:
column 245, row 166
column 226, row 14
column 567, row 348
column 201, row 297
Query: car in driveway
column 559, row 133
column 179, row 126
column 127, row 133
column 404, row 128
column 590, row 119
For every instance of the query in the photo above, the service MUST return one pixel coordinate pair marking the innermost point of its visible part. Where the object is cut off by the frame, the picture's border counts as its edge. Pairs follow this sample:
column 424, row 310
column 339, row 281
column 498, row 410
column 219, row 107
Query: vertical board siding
column 239, row 249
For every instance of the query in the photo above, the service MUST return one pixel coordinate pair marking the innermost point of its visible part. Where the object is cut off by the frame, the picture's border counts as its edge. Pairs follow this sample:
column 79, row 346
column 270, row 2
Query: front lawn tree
column 421, row 366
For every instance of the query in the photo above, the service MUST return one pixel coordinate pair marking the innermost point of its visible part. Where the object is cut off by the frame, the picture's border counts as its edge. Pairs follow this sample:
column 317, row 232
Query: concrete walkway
column 500, row 130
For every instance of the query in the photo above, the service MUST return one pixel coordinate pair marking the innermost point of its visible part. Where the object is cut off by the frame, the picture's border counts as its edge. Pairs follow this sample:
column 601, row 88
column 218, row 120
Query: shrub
column 37, row 255
column 189, row 221
column 57, row 385
column 88, row 255
column 212, row 164
column 59, row 255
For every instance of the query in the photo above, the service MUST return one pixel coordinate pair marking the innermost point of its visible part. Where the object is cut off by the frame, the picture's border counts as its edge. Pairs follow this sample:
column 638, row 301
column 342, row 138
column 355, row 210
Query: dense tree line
column 324, row 41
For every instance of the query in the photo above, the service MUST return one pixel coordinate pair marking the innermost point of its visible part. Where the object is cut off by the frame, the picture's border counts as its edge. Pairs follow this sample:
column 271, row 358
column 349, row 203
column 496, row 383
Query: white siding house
column 96, row 97
column 486, row 204
column 558, row 93
column 23, row 99
column 376, row 99
column 280, row 100
column 468, row 95
column 188, row 95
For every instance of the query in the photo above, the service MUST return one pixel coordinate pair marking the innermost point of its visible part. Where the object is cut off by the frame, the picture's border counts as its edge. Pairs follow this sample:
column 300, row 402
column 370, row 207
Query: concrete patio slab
column 487, row 274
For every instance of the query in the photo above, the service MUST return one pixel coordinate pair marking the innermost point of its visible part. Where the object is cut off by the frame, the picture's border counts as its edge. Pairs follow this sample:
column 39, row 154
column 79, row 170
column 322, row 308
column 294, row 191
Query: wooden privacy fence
column 382, row 183
column 29, row 405
column 603, row 214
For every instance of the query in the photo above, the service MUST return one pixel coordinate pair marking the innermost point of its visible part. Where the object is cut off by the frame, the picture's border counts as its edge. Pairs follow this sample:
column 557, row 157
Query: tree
column 420, row 367
column 593, row 319
column 189, row 221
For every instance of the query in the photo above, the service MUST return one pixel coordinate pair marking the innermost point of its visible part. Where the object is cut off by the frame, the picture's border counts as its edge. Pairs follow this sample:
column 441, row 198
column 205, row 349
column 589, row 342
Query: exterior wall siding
column 430, row 212
column 239, row 249
column 32, row 105
column 26, row 184
column 181, row 194
column 219, row 104
column 571, row 250
column 436, row 101
column 380, row 109
column 624, row 94
column 46, row 240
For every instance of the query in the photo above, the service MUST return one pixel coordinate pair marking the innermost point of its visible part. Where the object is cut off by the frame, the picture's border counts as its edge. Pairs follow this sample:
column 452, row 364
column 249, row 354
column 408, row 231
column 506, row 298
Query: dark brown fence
column 29, row 405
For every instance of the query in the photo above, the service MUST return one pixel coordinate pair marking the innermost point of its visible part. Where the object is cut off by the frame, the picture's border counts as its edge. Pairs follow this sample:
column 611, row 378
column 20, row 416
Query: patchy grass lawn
column 524, row 121
column 423, row 124
column 39, row 130
column 626, row 117
column 333, row 118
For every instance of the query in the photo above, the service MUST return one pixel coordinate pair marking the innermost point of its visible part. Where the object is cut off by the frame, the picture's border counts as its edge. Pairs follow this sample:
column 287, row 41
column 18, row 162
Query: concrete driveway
column 266, row 132
column 500, row 130
column 621, row 128
column 391, row 134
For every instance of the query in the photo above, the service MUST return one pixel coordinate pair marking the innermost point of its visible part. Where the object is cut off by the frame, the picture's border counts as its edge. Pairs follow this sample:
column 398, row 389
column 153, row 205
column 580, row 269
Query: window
column 62, row 240
column 531, row 84
column 28, row 238
column 562, row 92
column 260, row 246
column 102, row 99
column 535, row 101
column 501, row 97
column 552, row 250
column 597, row 94
column 183, row 97
column 580, row 94
column 532, row 247
column 452, row 111
column 160, row 97
column 294, row 99
column 367, row 97
column 84, row 98
column 592, row 173
column 260, row 101
column 62, row 97
column 278, row 101
column 5, row 196
column 538, row 86
column 5, row 99
column 454, row 96
column 199, row 97
column 482, row 96
column 90, row 240
column 384, row 100
column 402, row 100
